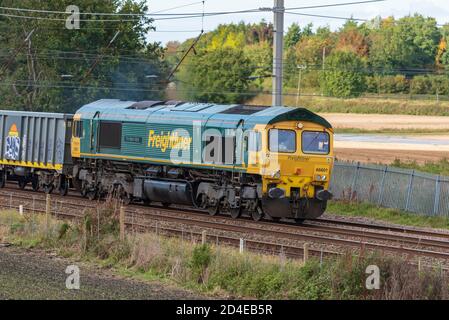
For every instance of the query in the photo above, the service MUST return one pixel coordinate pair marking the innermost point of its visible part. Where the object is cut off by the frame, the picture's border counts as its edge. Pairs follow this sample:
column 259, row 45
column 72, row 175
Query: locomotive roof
column 228, row 116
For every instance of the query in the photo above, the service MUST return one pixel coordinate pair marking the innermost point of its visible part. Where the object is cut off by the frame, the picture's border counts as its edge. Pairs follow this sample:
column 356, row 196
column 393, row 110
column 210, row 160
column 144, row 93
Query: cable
column 335, row 5
column 326, row 17
column 178, row 7
column 189, row 13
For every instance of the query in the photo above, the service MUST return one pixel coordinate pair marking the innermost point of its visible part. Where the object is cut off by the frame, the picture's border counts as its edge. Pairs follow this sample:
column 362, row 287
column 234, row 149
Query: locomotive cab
column 295, row 163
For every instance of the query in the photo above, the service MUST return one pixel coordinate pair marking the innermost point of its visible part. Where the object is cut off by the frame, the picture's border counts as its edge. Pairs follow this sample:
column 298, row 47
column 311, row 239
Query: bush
column 342, row 76
column 387, row 84
column 430, row 85
column 201, row 258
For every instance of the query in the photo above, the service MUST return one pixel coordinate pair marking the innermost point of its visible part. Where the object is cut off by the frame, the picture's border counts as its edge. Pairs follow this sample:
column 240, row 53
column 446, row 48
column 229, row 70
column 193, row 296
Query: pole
column 300, row 68
column 278, row 49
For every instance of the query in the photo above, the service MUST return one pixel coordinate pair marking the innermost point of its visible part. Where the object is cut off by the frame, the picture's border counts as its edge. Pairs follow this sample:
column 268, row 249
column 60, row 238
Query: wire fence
column 396, row 188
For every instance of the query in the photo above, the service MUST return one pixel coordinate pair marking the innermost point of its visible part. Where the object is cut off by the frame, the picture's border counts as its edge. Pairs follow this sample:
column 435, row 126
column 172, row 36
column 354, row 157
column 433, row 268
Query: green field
column 371, row 105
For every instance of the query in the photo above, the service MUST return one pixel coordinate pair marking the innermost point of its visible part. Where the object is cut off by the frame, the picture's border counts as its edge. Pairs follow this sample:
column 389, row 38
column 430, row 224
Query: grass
column 218, row 270
column 367, row 210
column 363, row 105
column 439, row 168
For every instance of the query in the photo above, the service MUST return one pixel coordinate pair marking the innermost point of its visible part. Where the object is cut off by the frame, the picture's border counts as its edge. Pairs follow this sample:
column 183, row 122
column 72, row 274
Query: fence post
column 354, row 181
column 47, row 211
column 382, row 185
column 242, row 245
column 122, row 223
column 437, row 196
column 203, row 237
column 409, row 191
column 306, row 252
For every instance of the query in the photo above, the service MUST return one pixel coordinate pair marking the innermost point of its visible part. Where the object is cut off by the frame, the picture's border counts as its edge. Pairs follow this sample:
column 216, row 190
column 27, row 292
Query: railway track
column 287, row 237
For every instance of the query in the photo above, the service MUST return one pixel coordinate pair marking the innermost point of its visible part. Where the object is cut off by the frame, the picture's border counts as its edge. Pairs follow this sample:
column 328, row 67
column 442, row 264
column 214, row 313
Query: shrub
column 201, row 258
column 342, row 76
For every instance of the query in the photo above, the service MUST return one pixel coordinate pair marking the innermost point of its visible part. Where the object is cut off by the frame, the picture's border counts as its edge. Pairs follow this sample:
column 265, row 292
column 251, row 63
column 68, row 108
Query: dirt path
column 26, row 274
column 388, row 156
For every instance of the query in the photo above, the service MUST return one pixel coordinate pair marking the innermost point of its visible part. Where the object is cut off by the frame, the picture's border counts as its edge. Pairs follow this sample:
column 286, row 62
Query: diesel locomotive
column 267, row 162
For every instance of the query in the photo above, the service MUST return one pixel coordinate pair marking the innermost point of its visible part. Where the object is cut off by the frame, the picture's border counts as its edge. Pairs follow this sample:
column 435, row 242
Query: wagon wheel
column 2, row 179
column 35, row 184
column 299, row 221
column 166, row 204
column 22, row 183
column 64, row 188
column 257, row 214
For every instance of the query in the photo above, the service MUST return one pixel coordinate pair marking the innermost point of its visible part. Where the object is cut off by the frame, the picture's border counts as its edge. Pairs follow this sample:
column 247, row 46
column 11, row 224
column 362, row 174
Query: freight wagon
column 35, row 149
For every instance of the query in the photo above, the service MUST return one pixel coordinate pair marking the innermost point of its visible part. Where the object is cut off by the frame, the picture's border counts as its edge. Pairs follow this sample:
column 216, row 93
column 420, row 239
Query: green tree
column 342, row 77
column 293, row 35
column 35, row 82
column 410, row 42
column 220, row 76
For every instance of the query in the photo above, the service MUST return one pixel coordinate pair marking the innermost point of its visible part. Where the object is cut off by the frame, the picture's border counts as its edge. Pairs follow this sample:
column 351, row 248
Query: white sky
column 398, row 8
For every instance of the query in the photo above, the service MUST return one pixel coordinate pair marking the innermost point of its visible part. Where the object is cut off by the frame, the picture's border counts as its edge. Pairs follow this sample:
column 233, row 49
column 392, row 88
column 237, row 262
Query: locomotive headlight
column 319, row 177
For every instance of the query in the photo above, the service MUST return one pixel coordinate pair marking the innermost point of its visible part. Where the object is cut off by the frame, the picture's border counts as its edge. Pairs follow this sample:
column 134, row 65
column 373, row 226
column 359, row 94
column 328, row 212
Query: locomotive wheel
column 236, row 212
column 84, row 189
column 35, row 184
column 2, row 179
column 22, row 183
column 48, row 189
column 257, row 214
column 213, row 210
column 126, row 198
column 92, row 195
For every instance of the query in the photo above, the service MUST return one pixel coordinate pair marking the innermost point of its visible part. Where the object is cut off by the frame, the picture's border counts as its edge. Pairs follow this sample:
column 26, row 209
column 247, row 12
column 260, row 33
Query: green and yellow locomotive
column 272, row 162
column 269, row 162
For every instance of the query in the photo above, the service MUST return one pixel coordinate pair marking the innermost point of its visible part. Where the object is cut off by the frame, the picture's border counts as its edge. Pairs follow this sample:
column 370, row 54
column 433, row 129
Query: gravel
column 30, row 274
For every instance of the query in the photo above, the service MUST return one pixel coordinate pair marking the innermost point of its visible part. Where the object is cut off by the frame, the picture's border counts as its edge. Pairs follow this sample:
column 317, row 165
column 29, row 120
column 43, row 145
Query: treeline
column 59, row 70
column 401, row 56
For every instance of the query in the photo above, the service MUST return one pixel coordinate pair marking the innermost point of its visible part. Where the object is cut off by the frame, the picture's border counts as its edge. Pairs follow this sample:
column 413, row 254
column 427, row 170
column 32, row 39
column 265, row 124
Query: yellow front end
column 295, row 162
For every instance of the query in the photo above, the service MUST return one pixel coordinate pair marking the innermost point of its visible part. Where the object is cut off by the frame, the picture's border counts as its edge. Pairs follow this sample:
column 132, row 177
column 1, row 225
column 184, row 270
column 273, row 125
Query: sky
column 188, row 28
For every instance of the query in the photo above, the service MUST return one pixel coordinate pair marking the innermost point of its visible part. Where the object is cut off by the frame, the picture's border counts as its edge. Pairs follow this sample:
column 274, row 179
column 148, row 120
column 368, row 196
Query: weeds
column 440, row 167
column 220, row 270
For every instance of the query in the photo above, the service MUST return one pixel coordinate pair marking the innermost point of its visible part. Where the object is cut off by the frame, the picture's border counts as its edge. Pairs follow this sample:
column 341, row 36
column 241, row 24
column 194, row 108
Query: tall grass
column 221, row 270
column 439, row 167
